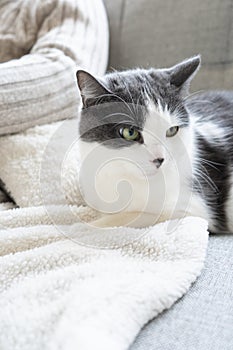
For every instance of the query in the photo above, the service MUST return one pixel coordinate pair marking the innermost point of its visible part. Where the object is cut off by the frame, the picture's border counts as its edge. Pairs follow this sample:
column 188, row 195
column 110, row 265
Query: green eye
column 172, row 131
column 129, row 134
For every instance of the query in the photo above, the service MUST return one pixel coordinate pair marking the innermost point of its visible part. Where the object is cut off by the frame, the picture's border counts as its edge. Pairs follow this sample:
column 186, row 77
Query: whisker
column 200, row 185
column 130, row 95
column 210, row 163
column 119, row 113
column 137, row 104
column 135, row 109
column 193, row 94
column 115, row 95
column 207, row 179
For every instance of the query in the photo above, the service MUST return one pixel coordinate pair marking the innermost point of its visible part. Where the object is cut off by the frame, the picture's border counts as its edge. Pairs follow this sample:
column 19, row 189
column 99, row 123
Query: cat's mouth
column 152, row 172
column 149, row 172
column 151, row 169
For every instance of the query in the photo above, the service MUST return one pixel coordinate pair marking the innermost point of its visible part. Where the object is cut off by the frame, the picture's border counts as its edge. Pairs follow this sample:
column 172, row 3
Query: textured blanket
column 66, row 285
column 71, row 287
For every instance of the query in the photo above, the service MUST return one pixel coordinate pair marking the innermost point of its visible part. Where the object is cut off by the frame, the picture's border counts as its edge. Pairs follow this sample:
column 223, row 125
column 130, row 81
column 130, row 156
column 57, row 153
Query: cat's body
column 213, row 120
column 150, row 154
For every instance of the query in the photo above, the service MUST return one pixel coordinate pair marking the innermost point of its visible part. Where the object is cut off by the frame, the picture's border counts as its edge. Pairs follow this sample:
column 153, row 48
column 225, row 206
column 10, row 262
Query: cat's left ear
column 182, row 73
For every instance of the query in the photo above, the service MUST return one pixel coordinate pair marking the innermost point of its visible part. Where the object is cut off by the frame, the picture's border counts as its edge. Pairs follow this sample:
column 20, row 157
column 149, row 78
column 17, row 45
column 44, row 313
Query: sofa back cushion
column 159, row 33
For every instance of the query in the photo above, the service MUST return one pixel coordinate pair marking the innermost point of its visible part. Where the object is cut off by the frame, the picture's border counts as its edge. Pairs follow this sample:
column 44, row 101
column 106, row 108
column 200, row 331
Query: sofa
column 157, row 33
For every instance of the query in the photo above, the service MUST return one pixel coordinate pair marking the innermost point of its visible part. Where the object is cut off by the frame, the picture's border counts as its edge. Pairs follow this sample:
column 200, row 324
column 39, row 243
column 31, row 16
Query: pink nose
column 158, row 162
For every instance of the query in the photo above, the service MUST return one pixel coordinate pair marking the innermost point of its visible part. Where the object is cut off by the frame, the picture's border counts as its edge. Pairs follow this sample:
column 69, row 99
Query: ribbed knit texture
column 42, row 44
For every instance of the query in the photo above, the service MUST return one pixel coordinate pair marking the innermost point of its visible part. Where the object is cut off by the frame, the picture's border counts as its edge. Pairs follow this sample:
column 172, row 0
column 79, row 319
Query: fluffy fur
column 156, row 177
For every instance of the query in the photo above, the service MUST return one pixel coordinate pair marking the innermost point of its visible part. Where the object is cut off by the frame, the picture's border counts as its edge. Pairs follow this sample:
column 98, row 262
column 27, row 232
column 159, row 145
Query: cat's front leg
column 129, row 219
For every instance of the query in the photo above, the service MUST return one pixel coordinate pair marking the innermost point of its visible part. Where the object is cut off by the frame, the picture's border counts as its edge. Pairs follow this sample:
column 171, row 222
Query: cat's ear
column 182, row 73
column 90, row 88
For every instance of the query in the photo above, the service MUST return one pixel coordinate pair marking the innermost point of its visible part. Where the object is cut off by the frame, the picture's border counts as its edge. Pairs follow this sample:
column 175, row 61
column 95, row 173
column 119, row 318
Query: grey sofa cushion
column 203, row 318
column 159, row 33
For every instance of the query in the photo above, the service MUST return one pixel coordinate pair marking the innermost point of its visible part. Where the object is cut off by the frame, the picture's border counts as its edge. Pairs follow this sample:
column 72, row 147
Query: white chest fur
column 113, row 184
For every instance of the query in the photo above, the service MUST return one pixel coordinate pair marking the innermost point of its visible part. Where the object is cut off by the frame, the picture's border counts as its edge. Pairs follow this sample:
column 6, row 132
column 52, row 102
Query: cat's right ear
column 90, row 88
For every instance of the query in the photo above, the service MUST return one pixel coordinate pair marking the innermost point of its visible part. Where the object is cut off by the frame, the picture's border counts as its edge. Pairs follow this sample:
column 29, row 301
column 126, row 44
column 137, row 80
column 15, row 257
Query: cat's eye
column 129, row 134
column 172, row 131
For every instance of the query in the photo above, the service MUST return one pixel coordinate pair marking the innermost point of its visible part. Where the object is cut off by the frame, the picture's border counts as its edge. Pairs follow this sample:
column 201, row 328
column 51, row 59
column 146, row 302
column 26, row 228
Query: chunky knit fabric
column 42, row 44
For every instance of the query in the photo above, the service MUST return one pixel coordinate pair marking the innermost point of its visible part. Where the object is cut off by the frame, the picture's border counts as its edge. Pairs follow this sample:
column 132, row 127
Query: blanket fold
column 69, row 286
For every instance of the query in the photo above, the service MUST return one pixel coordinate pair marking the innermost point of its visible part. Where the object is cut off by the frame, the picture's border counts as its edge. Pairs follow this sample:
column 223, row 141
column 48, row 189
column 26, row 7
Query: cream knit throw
column 42, row 44
column 65, row 285
column 74, row 288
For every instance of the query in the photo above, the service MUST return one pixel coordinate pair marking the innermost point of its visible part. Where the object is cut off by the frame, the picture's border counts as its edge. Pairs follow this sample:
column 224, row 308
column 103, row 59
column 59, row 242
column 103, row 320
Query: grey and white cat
column 150, row 152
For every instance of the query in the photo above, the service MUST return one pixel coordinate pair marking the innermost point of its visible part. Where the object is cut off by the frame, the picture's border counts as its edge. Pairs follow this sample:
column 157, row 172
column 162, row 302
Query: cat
column 151, row 152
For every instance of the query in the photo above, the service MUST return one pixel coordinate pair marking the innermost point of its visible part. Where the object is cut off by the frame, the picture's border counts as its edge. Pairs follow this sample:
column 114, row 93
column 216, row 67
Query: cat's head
column 139, row 115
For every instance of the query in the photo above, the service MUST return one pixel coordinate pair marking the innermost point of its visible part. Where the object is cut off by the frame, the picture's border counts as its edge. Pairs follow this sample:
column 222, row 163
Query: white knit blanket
column 65, row 285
